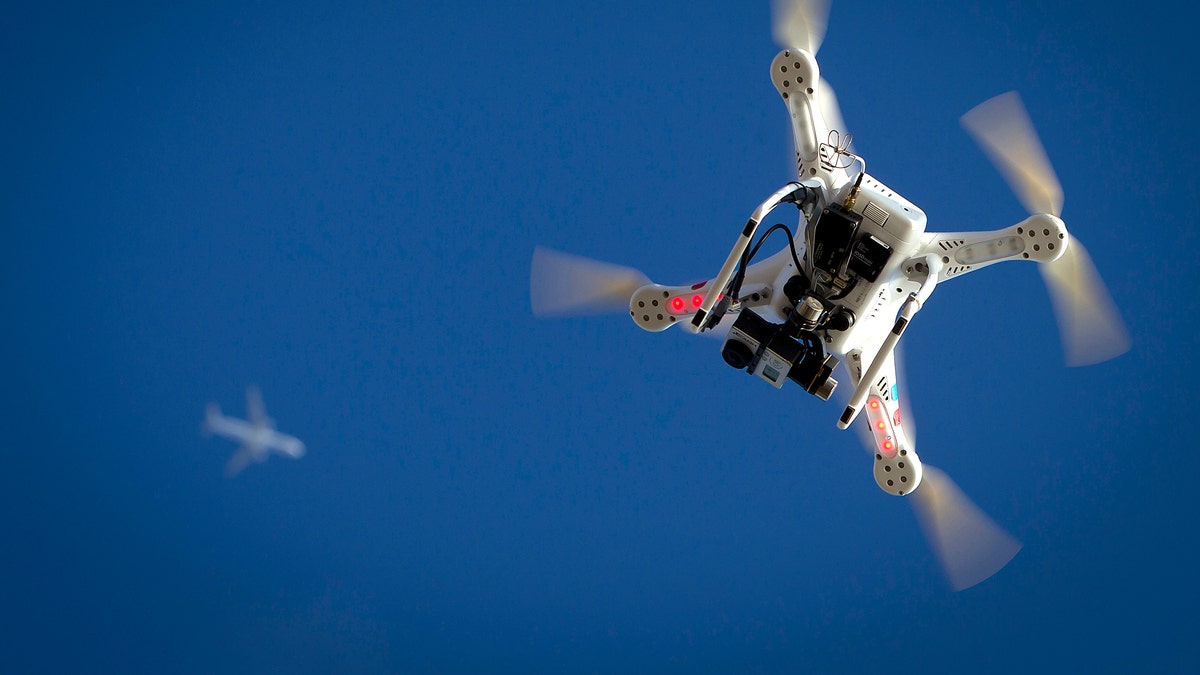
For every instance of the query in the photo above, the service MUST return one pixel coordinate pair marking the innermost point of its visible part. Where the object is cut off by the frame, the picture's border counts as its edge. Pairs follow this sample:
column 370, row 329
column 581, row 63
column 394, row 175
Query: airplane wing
column 226, row 427
column 239, row 461
column 255, row 409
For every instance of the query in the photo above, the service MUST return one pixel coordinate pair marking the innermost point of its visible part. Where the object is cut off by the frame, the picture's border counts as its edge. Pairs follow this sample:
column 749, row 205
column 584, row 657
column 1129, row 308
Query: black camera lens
column 737, row 354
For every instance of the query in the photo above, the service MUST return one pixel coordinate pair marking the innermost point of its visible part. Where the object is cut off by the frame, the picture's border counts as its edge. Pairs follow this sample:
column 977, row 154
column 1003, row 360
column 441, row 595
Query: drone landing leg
column 882, row 357
column 928, row 269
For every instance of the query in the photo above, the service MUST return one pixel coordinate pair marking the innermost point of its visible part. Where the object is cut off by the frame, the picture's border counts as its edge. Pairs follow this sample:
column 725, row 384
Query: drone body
column 844, row 294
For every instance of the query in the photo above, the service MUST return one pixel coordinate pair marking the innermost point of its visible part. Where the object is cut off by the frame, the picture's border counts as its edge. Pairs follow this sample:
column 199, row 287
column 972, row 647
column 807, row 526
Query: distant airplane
column 257, row 436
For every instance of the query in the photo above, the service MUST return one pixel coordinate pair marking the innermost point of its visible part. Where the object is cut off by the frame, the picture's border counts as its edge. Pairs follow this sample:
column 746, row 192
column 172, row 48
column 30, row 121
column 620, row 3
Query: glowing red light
column 697, row 300
column 874, row 405
column 888, row 445
column 880, row 425
column 677, row 304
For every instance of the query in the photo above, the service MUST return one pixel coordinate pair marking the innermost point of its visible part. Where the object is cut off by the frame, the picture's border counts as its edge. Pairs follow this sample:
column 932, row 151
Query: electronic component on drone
column 810, row 312
column 773, row 353
column 833, row 236
column 749, row 347
column 868, row 257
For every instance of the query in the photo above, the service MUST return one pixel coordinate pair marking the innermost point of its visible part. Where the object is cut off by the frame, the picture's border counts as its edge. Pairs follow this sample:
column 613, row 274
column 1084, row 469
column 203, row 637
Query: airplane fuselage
column 260, row 440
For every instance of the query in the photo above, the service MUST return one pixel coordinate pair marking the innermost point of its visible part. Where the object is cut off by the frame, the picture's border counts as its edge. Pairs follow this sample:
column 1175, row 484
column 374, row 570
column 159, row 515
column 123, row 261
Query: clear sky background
column 339, row 202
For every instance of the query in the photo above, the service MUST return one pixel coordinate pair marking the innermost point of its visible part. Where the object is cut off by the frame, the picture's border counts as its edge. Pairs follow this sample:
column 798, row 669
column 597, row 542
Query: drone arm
column 814, row 116
column 897, row 468
column 926, row 269
column 655, row 307
column 1040, row 237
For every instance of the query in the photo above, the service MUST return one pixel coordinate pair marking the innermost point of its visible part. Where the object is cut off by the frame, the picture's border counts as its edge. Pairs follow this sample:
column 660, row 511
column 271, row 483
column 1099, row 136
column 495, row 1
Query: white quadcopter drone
column 851, row 279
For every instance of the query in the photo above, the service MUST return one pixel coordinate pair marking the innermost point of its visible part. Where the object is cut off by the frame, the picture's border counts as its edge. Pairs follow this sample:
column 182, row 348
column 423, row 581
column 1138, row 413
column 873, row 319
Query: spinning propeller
column 968, row 544
column 565, row 284
column 801, row 24
column 1092, row 330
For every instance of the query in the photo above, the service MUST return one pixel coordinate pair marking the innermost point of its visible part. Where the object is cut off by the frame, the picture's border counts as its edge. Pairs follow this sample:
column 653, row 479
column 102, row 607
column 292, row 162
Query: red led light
column 677, row 304
column 697, row 300
column 874, row 405
column 888, row 445
column 880, row 425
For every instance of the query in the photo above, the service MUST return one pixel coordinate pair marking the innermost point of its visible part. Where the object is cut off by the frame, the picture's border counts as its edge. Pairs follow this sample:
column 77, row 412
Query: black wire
column 749, row 254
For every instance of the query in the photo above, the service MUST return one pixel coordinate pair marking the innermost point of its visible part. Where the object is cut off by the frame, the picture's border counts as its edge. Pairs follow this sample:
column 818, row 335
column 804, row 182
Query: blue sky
column 340, row 203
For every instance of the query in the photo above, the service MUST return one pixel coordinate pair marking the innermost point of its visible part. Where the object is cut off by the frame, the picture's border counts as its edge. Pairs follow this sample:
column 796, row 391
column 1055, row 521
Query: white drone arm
column 1040, row 237
column 655, row 307
column 897, row 468
column 797, row 78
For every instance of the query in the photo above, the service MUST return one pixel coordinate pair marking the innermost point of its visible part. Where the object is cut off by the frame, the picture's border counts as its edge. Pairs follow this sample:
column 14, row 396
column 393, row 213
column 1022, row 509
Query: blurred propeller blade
column 564, row 284
column 800, row 23
column 969, row 545
column 1002, row 128
column 1091, row 327
column 831, row 112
